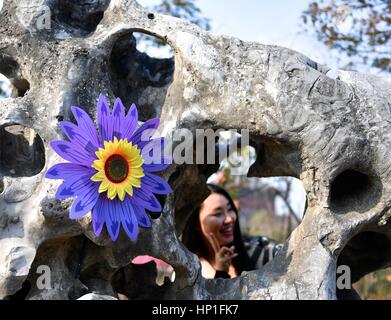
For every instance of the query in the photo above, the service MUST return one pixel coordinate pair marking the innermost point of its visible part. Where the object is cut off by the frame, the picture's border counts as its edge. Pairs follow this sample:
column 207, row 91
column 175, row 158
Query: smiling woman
column 213, row 233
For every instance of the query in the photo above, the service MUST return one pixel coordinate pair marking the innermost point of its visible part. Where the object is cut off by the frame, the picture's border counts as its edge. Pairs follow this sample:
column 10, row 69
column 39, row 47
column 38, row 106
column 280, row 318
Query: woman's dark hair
column 193, row 240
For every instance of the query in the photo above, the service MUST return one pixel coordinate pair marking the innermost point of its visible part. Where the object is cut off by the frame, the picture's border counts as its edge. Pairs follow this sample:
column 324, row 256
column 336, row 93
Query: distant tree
column 185, row 9
column 359, row 28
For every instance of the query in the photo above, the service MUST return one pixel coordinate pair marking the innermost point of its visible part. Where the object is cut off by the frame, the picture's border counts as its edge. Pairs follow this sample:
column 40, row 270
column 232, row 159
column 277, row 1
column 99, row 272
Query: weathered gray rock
column 333, row 134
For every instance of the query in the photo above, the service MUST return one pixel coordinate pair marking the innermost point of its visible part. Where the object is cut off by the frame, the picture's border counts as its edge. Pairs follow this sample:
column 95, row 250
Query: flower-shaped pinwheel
column 107, row 173
column 163, row 269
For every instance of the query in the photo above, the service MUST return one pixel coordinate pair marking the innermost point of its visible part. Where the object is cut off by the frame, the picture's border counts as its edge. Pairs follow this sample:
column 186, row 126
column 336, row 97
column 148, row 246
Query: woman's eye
column 232, row 213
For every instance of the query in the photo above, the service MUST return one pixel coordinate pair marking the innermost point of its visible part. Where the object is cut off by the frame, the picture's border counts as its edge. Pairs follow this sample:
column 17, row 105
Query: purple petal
column 79, row 137
column 112, row 213
column 64, row 191
column 130, row 123
column 69, row 129
column 104, row 117
column 129, row 220
column 84, row 203
column 86, row 126
column 146, row 199
column 146, row 131
column 98, row 216
column 155, row 184
column 74, row 186
column 117, row 118
column 67, row 170
column 142, row 217
column 71, row 152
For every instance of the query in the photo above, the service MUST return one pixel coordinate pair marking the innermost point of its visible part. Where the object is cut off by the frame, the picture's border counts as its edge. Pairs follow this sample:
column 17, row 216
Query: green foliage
column 360, row 28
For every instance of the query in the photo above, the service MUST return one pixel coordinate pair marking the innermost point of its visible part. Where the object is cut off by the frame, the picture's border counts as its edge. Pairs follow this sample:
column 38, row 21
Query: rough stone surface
column 333, row 134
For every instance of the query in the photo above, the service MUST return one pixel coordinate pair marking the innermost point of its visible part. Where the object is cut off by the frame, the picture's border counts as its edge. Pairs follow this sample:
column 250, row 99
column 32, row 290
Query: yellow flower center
column 119, row 167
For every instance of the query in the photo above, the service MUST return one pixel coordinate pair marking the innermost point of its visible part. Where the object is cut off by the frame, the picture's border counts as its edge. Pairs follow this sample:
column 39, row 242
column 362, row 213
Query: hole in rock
column 80, row 16
column 21, row 86
column 5, row 87
column 275, row 158
column 375, row 286
column 137, row 77
column 162, row 200
column 22, row 293
column 22, row 152
column 145, row 277
column 256, row 215
column 61, row 260
column 364, row 267
column 12, row 83
column 354, row 191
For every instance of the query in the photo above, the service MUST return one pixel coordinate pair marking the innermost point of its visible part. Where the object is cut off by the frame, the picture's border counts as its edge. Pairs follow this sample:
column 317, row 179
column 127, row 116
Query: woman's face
column 218, row 217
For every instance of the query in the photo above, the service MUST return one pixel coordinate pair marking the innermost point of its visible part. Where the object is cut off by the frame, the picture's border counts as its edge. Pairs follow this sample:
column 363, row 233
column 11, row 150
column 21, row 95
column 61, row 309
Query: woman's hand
column 223, row 255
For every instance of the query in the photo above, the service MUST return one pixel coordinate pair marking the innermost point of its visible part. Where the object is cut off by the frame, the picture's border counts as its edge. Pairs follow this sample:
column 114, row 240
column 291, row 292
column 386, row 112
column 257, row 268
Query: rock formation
column 332, row 133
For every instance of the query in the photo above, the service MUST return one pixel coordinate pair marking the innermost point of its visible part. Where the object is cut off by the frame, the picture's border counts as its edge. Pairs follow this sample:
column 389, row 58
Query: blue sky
column 255, row 20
